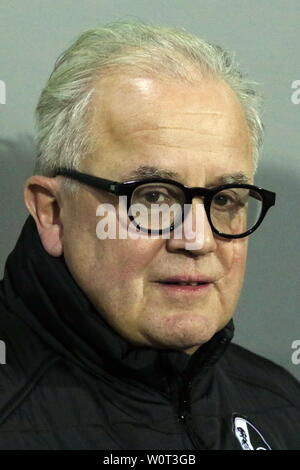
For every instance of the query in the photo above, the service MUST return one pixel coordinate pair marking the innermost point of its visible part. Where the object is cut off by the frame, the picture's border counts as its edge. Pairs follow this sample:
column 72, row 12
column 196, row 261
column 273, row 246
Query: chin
column 182, row 338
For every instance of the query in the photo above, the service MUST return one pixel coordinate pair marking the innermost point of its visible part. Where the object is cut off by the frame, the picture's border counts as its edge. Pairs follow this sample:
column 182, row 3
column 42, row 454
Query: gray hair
column 64, row 136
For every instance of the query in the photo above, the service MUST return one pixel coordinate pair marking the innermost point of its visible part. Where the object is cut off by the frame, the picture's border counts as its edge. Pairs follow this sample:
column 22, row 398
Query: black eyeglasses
column 233, row 210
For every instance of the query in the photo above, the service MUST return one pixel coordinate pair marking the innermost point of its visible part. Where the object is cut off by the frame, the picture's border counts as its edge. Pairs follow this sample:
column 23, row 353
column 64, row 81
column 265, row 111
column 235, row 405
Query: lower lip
column 176, row 288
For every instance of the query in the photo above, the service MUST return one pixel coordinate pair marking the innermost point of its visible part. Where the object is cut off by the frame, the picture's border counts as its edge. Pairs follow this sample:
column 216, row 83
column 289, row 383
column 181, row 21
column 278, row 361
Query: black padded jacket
column 70, row 382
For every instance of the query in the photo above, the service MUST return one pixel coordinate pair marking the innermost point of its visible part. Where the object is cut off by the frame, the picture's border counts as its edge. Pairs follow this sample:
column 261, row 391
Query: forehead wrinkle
column 196, row 113
column 157, row 144
column 145, row 129
column 136, row 120
column 171, row 128
column 164, row 136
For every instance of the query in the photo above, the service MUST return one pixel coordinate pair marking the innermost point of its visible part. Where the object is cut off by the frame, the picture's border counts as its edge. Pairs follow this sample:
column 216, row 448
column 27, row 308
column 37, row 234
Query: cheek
column 117, row 261
column 239, row 256
column 125, row 261
column 233, row 258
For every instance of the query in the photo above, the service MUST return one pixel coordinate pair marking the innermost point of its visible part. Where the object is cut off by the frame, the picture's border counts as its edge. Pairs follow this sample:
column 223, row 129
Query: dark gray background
column 265, row 34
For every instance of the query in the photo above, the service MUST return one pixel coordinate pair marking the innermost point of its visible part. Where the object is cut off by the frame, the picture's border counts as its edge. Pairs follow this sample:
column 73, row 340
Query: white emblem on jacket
column 248, row 436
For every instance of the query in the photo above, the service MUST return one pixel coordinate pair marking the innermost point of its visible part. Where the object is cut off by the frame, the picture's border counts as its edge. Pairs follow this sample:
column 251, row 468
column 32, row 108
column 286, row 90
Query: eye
column 155, row 197
column 156, row 194
column 224, row 199
column 230, row 200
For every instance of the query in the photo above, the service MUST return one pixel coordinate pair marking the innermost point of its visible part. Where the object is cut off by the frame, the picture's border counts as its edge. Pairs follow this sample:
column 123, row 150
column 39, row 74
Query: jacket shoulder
column 258, row 372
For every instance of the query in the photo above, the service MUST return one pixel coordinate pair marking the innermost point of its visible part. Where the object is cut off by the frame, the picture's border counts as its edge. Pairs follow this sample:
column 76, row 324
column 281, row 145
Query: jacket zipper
column 184, row 405
column 184, row 411
column 181, row 394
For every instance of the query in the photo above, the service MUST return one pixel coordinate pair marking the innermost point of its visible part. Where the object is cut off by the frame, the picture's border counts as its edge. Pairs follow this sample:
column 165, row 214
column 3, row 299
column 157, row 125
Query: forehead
column 140, row 120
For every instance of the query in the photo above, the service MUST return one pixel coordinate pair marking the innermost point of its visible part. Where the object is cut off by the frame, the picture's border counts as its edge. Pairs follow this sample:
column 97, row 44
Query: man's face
column 199, row 132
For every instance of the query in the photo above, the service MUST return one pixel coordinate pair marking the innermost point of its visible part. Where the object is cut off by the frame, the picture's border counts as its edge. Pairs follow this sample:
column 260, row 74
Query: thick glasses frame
column 126, row 189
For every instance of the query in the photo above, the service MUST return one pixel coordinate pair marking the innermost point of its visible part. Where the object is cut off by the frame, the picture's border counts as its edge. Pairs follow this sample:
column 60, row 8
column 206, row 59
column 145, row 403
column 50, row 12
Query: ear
column 42, row 199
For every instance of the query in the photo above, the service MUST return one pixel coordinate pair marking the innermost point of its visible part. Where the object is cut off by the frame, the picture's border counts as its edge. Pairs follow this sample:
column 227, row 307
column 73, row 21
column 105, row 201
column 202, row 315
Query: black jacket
column 71, row 382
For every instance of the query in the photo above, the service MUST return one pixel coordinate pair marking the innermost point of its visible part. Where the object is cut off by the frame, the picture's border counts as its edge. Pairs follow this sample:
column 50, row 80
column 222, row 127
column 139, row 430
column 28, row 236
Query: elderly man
column 123, row 342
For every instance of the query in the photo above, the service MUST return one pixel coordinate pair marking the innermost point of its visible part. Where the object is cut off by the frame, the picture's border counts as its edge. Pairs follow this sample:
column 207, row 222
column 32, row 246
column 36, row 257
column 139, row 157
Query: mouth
column 184, row 283
column 185, row 286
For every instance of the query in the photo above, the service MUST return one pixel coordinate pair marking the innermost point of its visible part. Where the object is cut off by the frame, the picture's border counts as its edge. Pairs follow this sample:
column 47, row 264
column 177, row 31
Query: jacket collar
column 40, row 289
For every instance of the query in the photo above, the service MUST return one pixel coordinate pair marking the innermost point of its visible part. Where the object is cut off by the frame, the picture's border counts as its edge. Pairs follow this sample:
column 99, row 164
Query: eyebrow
column 151, row 172
column 156, row 172
column 238, row 177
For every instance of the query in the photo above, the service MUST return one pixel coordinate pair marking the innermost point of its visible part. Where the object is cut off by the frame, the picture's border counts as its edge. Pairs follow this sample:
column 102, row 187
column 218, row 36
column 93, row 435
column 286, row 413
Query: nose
column 195, row 234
